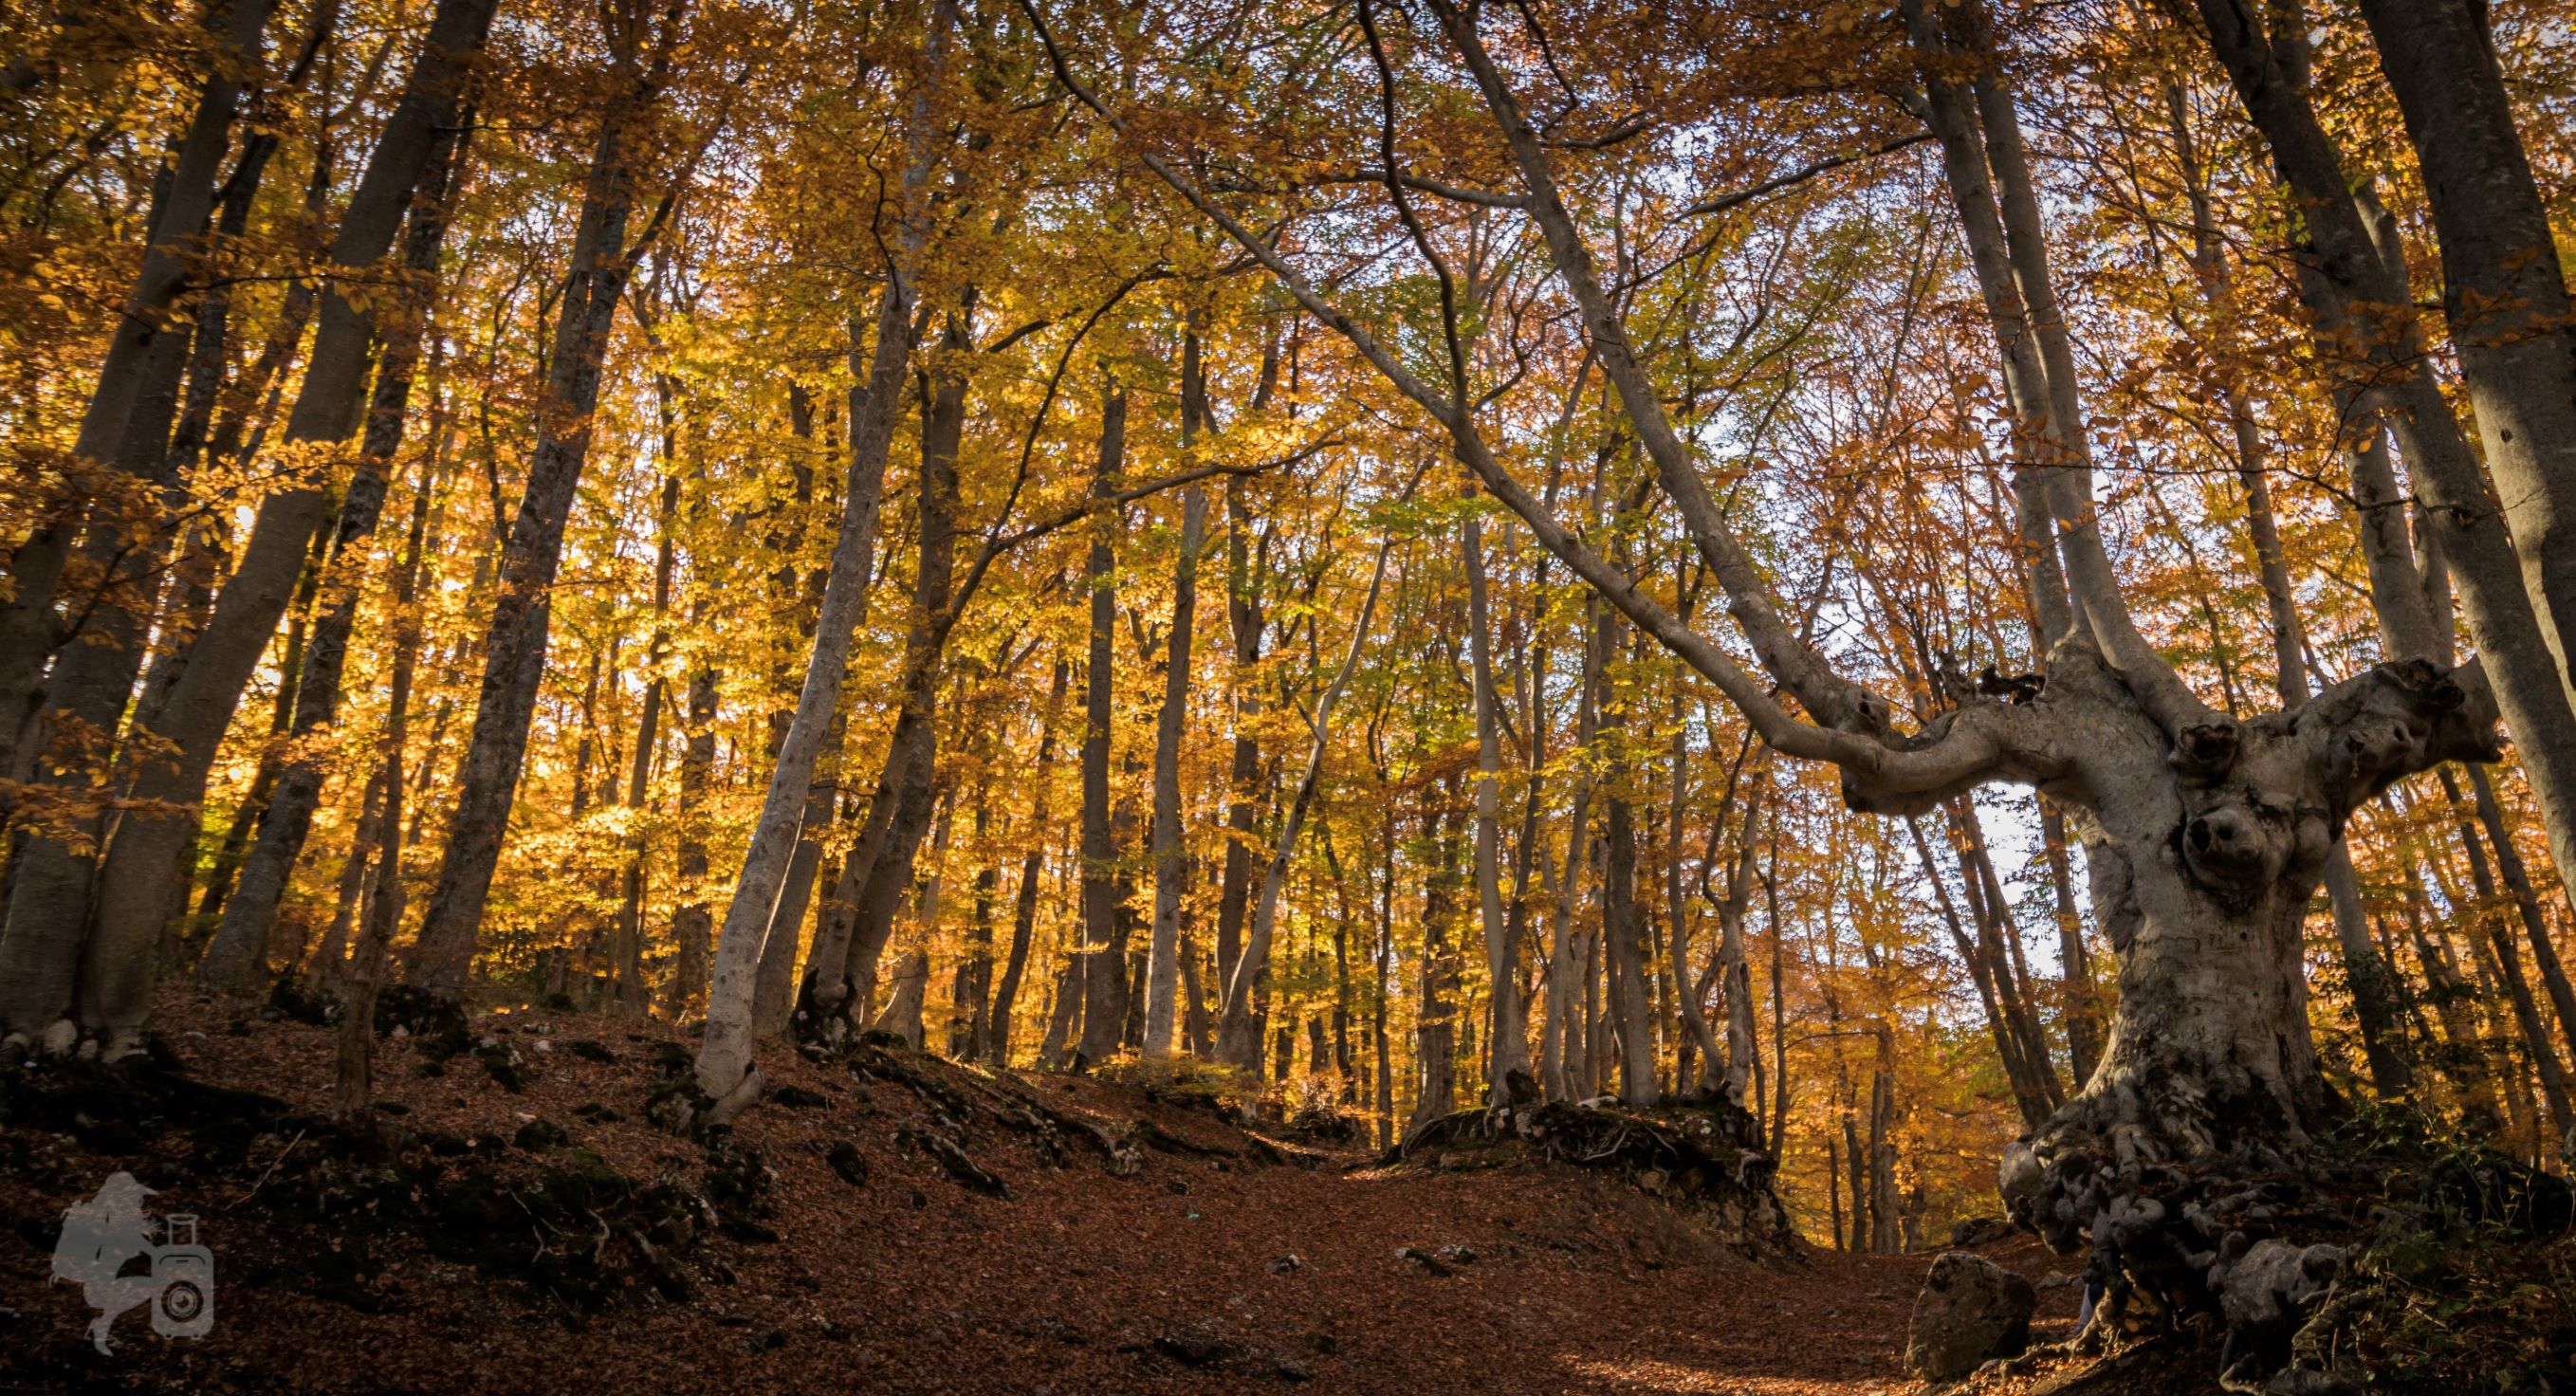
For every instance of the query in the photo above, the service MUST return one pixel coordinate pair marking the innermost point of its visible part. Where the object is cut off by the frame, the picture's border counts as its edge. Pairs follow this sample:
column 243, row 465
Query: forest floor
column 1229, row 1261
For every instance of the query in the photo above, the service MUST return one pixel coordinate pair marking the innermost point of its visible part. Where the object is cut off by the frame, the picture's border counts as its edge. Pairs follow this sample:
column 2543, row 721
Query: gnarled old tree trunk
column 2209, row 851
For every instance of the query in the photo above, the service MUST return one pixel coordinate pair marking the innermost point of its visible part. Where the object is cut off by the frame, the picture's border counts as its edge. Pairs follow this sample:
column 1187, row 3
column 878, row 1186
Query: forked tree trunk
column 724, row 1067
column 2213, row 858
column 774, row 988
column 2372, row 993
column 902, row 1013
column 1238, row 1031
column 880, row 866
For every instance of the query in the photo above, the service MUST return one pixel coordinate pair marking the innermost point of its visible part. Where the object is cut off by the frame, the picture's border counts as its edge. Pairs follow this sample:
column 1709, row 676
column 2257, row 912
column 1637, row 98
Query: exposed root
column 1704, row 1159
column 2257, row 1249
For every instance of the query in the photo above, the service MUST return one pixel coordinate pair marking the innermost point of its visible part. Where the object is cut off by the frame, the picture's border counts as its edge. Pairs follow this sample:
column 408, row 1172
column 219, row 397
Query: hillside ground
column 1227, row 1260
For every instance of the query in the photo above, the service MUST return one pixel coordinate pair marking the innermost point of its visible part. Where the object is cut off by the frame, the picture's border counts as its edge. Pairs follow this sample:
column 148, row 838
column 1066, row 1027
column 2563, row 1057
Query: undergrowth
column 2466, row 1281
column 1182, row 1081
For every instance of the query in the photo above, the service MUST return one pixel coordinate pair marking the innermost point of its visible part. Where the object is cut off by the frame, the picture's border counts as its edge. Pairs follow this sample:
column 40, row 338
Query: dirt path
column 1204, row 1272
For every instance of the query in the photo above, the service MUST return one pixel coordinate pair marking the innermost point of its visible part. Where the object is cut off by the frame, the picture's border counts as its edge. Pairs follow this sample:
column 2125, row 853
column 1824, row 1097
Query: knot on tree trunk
column 2205, row 751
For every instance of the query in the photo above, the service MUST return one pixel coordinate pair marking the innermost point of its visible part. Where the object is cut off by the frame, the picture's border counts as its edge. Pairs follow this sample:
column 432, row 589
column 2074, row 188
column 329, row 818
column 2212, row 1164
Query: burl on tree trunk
column 2210, row 848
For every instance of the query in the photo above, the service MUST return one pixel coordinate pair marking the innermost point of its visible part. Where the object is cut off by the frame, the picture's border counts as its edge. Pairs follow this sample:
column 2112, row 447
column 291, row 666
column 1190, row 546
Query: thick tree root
column 2254, row 1251
column 1704, row 1159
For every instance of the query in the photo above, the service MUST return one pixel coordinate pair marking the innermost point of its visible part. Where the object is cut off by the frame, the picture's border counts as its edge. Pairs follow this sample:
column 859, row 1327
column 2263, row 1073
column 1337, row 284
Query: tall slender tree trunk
column 144, row 355
column 1104, row 946
column 1435, row 1030
column 234, row 960
column 1384, row 957
column 1623, row 945
column 880, row 867
column 514, row 649
column 692, row 925
column 2504, row 289
column 973, row 1025
column 2526, row 901
column 1561, row 1045
column 364, row 970
column 1244, row 575
column 2357, row 296
column 1779, row 1003
column 1238, row 1033
column 1171, row 852
column 1999, row 938
column 1508, row 1077
column 1024, row 909
column 774, row 988
column 724, row 1067
column 2028, row 1093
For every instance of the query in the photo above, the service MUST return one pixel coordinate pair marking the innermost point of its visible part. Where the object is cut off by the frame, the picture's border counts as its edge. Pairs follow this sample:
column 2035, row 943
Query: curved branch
column 1833, row 698
column 1881, row 770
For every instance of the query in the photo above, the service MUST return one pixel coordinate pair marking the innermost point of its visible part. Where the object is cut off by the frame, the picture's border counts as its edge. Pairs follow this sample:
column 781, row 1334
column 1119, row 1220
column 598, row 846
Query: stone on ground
column 1970, row 1311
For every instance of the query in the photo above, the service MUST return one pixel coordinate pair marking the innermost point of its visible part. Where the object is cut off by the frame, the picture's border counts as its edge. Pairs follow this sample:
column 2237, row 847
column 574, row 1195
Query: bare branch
column 1801, row 175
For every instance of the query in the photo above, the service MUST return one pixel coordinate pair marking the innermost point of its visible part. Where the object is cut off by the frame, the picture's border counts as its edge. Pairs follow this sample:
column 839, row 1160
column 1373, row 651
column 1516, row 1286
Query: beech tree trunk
column 1623, row 946
column 144, row 355
column 691, row 924
column 1507, row 1078
column 774, row 989
column 1435, row 1032
column 2352, row 291
column 1245, row 565
column 1024, row 909
column 2371, row 990
column 514, row 649
column 880, row 867
column 1561, row 1045
column 119, row 963
column 973, row 1025
column 2504, row 289
column 1171, row 856
column 235, row 958
column 1238, row 1032
column 2202, row 897
column 724, row 1067
column 1104, row 945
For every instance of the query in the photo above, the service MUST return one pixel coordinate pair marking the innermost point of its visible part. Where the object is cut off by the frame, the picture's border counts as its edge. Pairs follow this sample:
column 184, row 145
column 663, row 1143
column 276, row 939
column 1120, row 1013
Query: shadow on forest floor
column 907, row 1225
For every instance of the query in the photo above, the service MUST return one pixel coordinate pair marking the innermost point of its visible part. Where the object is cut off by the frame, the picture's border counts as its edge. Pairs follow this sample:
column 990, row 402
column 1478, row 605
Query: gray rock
column 1971, row 1310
